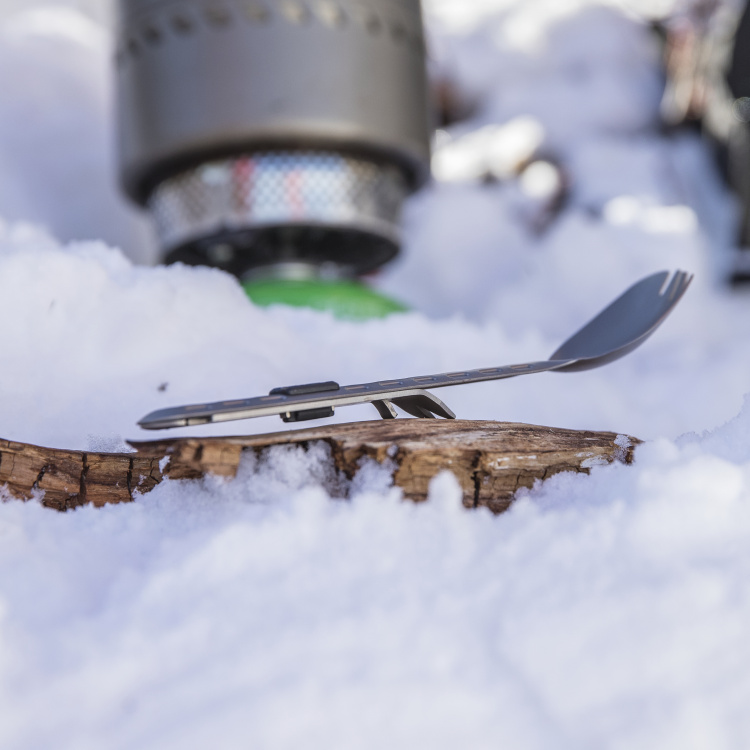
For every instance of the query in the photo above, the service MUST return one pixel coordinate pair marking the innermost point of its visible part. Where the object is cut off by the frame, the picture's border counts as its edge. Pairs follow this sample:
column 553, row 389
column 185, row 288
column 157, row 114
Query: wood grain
column 491, row 460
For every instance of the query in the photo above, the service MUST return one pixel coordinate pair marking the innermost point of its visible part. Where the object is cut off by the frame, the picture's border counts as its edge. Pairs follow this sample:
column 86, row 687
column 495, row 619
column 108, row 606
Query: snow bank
column 601, row 611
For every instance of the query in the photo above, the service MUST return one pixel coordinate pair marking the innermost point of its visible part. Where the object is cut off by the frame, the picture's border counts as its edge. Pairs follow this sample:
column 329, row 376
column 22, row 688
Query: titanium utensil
column 613, row 333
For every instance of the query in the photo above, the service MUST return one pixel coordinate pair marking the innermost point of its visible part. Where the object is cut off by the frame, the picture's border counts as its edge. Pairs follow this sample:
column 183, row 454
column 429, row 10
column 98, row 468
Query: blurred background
column 527, row 96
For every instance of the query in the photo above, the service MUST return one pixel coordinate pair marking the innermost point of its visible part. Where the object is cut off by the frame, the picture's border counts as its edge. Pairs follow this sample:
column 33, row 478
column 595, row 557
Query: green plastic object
column 348, row 300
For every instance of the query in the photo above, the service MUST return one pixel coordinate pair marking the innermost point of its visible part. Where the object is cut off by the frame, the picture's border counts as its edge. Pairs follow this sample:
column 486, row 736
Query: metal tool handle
column 316, row 400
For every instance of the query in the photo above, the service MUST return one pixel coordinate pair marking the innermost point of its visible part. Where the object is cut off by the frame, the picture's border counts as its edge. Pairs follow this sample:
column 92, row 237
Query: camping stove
column 273, row 136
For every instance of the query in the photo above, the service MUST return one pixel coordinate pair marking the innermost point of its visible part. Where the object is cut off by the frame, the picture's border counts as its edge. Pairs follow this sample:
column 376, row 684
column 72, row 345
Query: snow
column 608, row 610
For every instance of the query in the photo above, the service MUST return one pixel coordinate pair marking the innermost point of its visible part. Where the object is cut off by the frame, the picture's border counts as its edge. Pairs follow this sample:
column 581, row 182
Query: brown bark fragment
column 491, row 460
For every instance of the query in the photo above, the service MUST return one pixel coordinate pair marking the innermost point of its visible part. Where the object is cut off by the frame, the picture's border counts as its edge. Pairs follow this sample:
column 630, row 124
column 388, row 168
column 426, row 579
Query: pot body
column 264, row 131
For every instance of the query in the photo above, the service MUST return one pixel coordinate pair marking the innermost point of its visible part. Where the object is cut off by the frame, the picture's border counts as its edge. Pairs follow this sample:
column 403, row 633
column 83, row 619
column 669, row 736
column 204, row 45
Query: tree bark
column 491, row 460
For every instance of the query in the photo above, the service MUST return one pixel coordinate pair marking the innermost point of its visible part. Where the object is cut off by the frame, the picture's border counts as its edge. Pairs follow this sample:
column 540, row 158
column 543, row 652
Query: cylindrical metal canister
column 260, row 132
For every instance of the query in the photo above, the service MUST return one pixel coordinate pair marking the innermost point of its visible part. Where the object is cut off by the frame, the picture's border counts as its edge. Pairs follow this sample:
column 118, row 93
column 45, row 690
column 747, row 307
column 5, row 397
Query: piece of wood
column 491, row 460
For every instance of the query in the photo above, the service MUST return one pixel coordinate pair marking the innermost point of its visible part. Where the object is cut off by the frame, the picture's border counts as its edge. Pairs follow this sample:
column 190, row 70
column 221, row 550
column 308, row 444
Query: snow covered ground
column 602, row 611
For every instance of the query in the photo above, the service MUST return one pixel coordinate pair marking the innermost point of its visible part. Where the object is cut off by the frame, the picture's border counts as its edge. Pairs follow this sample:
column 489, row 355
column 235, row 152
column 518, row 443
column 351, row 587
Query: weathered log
column 491, row 460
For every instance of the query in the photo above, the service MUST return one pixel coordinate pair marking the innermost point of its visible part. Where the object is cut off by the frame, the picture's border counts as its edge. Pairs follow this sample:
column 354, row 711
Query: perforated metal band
column 279, row 189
